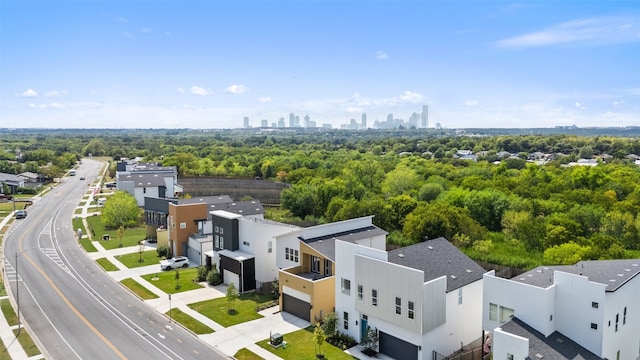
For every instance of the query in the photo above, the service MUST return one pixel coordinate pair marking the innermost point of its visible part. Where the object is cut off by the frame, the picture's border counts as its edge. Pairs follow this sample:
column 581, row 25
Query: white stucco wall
column 504, row 343
column 258, row 234
column 627, row 338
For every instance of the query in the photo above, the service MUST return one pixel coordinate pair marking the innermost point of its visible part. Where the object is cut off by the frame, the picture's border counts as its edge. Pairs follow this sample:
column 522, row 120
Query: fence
column 473, row 354
column 265, row 287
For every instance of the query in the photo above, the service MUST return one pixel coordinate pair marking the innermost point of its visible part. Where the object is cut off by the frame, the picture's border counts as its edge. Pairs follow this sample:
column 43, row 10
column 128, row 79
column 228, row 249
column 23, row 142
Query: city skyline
column 196, row 64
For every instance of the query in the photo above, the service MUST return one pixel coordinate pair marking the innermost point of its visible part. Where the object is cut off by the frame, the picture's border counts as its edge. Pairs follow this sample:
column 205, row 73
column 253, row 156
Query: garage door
column 296, row 307
column 396, row 348
column 230, row 277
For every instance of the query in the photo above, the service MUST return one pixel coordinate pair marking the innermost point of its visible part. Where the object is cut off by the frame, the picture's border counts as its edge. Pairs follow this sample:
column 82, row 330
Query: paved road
column 71, row 306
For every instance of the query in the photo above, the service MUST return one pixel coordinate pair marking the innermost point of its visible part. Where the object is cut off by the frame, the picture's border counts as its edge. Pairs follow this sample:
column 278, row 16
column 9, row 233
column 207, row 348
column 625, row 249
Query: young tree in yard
column 177, row 280
column 121, row 210
column 319, row 338
column 232, row 295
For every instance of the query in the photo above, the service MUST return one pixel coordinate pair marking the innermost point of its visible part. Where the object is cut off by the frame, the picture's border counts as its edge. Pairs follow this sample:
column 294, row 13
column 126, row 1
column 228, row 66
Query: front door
column 363, row 327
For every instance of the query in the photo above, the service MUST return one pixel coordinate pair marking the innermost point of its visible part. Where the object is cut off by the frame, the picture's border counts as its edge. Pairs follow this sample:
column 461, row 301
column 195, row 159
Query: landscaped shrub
column 213, row 278
column 202, row 274
column 163, row 251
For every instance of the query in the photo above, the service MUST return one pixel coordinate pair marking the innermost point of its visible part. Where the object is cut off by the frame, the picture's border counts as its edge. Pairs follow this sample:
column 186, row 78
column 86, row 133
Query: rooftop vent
column 560, row 340
column 521, row 279
column 468, row 271
column 620, row 275
column 453, row 277
column 401, row 255
column 539, row 356
column 430, row 247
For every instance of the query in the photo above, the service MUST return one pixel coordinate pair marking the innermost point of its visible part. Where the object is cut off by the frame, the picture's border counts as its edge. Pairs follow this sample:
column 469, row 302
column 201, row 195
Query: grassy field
column 189, row 322
column 132, row 260
column 246, row 354
column 166, row 280
column 140, row 290
column 300, row 345
column 8, row 312
column 131, row 237
column 245, row 309
column 27, row 343
column 106, row 264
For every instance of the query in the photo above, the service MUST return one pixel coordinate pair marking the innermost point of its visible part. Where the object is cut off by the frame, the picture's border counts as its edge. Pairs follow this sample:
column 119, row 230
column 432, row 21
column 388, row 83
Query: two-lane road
column 71, row 306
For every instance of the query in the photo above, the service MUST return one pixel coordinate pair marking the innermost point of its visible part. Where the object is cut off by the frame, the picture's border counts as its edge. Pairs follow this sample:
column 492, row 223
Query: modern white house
column 595, row 304
column 425, row 300
column 307, row 258
column 147, row 180
column 244, row 246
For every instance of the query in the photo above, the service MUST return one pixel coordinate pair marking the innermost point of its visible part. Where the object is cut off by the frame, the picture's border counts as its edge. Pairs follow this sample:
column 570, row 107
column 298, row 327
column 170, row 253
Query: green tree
column 401, row 180
column 319, row 338
column 299, row 199
column 121, row 210
column 565, row 254
column 232, row 296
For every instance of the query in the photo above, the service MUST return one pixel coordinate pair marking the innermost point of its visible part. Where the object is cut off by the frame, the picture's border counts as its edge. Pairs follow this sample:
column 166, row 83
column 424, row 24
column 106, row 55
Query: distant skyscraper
column 390, row 118
column 265, row 123
column 297, row 121
column 425, row 117
column 281, row 122
column 364, row 121
column 246, row 122
column 292, row 120
column 306, row 121
column 413, row 120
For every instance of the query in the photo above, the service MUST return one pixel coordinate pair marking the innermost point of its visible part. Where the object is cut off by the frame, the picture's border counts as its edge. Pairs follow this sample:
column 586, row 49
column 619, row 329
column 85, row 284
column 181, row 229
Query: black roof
column 553, row 347
column 437, row 258
column 252, row 207
column 326, row 244
column 612, row 273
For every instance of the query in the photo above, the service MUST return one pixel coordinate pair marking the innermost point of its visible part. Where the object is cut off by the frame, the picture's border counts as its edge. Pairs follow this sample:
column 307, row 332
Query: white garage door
column 230, row 277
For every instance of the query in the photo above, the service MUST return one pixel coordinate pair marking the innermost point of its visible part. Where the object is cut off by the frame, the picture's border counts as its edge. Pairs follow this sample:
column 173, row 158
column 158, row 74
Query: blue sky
column 207, row 64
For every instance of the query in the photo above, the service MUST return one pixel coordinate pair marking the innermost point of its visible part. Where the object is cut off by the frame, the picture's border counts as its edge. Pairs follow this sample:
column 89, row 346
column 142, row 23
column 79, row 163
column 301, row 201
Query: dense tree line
column 502, row 210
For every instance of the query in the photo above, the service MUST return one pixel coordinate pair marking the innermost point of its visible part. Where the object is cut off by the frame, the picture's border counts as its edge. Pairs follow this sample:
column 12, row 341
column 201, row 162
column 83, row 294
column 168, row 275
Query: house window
column 346, row 286
column 398, row 306
column 246, row 243
column 410, row 309
column 509, row 356
column 144, row 190
column 594, row 326
column 222, row 240
column 345, row 316
column 624, row 316
column 291, row 254
column 183, row 225
column 505, row 314
column 221, row 230
column 360, row 293
column 286, row 254
column 617, row 319
column 374, row 297
column 327, row 267
column 594, row 304
column 269, row 247
column 217, row 229
column 315, row 264
column 295, row 255
column 460, row 296
column 493, row 312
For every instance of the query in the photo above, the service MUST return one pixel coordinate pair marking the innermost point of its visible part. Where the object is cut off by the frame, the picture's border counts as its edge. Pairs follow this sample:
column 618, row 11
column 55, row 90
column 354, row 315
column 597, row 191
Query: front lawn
column 138, row 289
column 166, row 280
column 300, row 345
column 26, row 342
column 132, row 260
column 189, row 322
column 245, row 309
column 8, row 312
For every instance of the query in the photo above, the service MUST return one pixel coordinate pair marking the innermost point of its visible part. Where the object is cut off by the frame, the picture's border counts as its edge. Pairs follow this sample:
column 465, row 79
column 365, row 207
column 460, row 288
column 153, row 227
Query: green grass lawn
column 245, row 307
column 140, row 290
column 77, row 211
column 8, row 312
column 300, row 346
column 166, row 280
column 132, row 260
column 246, row 354
column 132, row 237
column 88, row 246
column 106, row 264
column 27, row 343
column 4, row 355
column 509, row 253
column 189, row 322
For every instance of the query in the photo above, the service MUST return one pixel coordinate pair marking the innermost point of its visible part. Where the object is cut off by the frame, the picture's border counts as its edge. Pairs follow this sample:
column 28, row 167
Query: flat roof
column 238, row 255
column 326, row 244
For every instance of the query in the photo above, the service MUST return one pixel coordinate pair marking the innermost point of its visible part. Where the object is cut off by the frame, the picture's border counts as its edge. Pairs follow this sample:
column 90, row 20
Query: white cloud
column 596, row 31
column 29, row 93
column 180, row 90
column 197, row 90
column 580, row 106
column 53, row 105
column 236, row 89
column 381, row 55
column 127, row 34
column 471, row 103
column 411, row 97
column 56, row 94
column 264, row 99
column 32, row 106
column 617, row 103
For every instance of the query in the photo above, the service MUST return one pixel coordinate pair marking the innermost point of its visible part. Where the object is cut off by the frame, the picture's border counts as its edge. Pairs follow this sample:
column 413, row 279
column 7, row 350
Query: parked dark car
column 21, row 214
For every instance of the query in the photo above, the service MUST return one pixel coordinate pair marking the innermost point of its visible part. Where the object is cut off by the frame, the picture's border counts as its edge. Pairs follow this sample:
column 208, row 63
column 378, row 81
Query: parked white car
column 174, row 263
